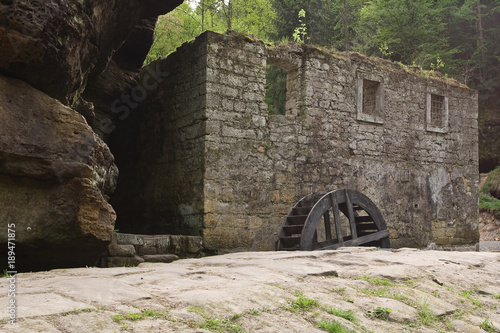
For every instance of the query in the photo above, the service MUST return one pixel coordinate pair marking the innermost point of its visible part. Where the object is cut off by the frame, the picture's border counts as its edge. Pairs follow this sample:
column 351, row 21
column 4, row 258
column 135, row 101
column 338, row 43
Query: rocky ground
column 362, row 289
column 489, row 227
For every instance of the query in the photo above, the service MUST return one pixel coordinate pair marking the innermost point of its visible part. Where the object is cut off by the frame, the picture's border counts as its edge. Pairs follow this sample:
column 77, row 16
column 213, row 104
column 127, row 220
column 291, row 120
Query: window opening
column 370, row 101
column 276, row 90
column 370, row 89
column 437, row 113
column 437, row 103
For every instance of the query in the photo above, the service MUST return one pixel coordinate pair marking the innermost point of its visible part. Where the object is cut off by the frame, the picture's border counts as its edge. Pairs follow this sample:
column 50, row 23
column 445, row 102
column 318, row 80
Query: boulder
column 55, row 174
column 56, row 46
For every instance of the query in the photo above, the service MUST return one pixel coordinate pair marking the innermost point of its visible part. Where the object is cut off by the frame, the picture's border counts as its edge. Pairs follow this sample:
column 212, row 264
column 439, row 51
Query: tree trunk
column 481, row 41
column 346, row 26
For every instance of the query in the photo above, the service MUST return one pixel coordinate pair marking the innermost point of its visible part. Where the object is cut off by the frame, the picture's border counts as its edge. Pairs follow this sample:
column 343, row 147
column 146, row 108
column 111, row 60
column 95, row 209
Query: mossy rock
column 489, row 194
column 492, row 184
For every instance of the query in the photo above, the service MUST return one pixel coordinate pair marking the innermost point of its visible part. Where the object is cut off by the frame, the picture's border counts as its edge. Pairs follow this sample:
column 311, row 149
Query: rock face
column 259, row 292
column 56, row 46
column 55, row 172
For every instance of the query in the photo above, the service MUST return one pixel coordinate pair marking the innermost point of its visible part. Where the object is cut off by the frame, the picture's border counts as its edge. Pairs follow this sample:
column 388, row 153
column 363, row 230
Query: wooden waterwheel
column 332, row 220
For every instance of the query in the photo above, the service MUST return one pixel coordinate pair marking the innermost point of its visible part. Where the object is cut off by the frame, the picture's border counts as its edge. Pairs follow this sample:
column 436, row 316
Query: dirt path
column 417, row 291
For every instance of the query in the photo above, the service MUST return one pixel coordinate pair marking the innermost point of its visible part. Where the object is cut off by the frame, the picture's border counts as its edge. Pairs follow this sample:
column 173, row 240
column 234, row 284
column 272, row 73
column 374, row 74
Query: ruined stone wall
column 214, row 162
column 160, row 189
column 421, row 174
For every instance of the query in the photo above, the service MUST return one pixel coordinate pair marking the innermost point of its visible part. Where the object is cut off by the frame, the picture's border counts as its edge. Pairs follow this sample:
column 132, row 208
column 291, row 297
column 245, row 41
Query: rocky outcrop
column 429, row 291
column 55, row 173
column 56, row 46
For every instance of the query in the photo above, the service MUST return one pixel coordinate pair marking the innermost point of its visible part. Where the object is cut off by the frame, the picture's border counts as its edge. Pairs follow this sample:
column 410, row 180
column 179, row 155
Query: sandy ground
column 417, row 291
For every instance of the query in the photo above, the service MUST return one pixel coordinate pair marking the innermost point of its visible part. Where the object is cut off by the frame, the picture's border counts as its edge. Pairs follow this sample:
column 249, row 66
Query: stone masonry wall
column 225, row 169
column 424, row 179
column 160, row 188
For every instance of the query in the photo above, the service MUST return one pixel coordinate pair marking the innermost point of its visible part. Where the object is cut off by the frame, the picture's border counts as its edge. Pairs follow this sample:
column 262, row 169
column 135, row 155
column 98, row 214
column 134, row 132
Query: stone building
column 208, row 160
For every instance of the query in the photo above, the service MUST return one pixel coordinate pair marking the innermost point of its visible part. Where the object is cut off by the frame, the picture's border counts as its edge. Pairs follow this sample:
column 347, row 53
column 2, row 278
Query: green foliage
column 488, row 326
column 385, row 285
column 379, row 312
column 184, row 23
column 348, row 315
column 144, row 314
column 489, row 203
column 302, row 303
column 425, row 316
column 410, row 29
column 300, row 33
column 276, row 90
column 217, row 324
column 491, row 187
column 384, row 50
column 333, row 327
column 471, row 296
column 319, row 23
column 377, row 281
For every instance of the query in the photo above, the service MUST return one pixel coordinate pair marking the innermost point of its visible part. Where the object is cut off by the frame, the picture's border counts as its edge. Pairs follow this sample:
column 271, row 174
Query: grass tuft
column 425, row 315
column 379, row 312
column 302, row 303
column 487, row 325
column 348, row 315
column 333, row 327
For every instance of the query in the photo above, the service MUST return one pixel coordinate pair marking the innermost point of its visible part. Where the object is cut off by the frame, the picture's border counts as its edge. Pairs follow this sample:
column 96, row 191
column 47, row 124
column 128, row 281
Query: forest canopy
column 460, row 38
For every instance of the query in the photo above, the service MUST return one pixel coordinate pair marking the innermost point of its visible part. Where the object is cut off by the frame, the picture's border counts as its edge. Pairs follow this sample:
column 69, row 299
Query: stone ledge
column 131, row 249
column 165, row 258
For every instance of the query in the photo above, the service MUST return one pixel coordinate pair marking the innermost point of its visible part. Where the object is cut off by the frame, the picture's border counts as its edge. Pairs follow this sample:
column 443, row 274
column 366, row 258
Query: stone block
column 124, row 261
column 144, row 250
column 256, row 222
column 194, row 244
column 178, row 244
column 129, row 239
column 121, row 250
column 163, row 244
column 227, row 238
column 165, row 258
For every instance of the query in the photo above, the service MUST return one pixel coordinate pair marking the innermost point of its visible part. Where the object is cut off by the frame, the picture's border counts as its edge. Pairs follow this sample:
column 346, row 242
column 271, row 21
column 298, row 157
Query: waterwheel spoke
column 328, row 229
column 336, row 219
column 350, row 215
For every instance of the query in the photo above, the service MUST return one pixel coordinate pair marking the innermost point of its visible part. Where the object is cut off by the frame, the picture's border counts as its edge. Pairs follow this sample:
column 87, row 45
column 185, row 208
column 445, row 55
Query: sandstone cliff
column 55, row 172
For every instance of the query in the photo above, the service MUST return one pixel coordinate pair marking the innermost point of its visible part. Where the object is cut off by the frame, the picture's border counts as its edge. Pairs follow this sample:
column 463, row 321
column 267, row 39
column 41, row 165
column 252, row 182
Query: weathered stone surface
column 255, row 290
column 55, row 173
column 56, row 46
column 124, row 261
column 165, row 258
column 121, row 250
column 131, row 239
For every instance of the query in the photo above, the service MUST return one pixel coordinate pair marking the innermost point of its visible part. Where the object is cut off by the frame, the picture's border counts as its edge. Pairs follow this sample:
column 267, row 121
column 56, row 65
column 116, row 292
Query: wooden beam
column 336, row 218
column 350, row 213
column 328, row 228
